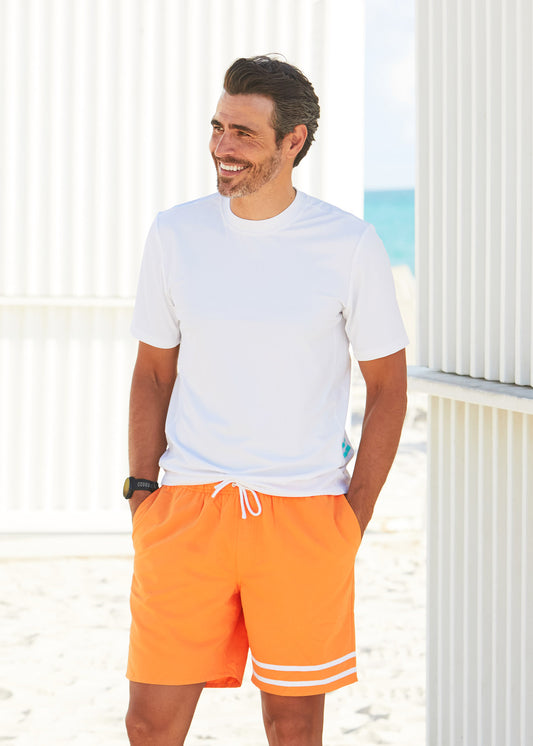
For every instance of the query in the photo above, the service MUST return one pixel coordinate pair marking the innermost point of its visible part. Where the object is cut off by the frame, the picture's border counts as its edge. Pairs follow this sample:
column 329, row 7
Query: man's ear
column 295, row 140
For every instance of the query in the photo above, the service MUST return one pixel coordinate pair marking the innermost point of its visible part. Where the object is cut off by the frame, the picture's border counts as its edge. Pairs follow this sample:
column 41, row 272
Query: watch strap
column 132, row 484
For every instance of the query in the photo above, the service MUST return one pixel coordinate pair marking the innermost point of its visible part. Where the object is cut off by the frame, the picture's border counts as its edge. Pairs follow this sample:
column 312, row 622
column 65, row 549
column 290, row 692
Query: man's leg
column 293, row 721
column 161, row 715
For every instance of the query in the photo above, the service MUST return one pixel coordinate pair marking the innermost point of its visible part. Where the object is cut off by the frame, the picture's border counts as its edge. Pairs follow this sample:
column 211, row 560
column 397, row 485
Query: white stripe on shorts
column 320, row 667
column 318, row 682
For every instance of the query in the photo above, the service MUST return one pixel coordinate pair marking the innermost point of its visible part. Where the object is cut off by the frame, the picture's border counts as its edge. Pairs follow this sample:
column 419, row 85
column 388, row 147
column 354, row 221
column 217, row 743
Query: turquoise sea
column 392, row 213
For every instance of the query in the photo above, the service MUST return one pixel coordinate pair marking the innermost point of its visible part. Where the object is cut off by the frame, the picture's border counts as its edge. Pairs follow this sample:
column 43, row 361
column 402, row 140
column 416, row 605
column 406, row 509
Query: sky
column 390, row 94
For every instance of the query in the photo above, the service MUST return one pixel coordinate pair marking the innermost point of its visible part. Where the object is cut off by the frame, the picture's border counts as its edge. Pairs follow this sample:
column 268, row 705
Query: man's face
column 243, row 144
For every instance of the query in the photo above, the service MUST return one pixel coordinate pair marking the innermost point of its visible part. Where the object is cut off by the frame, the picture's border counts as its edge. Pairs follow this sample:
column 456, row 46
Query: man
column 249, row 544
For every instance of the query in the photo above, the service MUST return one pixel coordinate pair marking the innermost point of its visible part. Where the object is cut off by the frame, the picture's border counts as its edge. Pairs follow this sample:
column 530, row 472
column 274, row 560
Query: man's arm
column 386, row 403
column 152, row 383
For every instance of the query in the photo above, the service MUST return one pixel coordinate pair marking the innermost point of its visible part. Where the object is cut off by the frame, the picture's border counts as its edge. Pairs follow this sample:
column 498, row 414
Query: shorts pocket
column 351, row 519
column 143, row 508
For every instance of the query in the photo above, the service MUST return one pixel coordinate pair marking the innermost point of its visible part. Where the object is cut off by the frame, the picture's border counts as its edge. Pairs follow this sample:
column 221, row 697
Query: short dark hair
column 295, row 101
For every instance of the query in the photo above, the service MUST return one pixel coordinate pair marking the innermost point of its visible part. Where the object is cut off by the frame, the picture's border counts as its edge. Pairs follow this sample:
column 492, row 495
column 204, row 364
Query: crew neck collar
column 258, row 227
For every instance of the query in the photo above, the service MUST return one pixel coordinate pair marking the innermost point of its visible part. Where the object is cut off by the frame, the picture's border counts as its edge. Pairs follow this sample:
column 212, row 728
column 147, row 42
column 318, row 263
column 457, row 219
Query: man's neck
column 263, row 204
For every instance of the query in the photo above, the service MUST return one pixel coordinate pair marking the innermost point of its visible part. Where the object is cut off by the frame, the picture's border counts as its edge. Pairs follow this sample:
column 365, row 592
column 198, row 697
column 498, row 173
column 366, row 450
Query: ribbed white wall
column 474, row 199
column 480, row 561
column 105, row 118
column 63, row 398
column 475, row 187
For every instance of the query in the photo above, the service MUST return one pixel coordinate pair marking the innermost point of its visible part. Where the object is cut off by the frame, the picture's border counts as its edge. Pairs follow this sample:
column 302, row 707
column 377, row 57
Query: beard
column 251, row 180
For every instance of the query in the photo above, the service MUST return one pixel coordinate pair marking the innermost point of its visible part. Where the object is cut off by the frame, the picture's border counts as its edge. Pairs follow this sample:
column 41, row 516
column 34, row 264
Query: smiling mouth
column 230, row 168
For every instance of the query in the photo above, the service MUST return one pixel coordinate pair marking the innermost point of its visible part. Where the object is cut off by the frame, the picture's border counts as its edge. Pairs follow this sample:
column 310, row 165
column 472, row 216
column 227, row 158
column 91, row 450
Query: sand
column 64, row 620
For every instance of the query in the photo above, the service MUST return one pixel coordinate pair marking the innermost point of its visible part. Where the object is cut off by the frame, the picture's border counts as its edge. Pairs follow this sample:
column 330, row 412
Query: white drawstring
column 243, row 495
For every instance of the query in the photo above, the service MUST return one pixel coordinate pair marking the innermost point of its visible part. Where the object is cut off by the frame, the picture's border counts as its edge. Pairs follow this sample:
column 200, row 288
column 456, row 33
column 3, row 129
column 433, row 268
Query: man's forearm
column 382, row 427
column 149, row 402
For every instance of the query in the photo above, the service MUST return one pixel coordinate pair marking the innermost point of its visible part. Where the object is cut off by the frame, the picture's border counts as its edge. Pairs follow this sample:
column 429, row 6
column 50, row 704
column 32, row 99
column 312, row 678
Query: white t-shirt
column 264, row 311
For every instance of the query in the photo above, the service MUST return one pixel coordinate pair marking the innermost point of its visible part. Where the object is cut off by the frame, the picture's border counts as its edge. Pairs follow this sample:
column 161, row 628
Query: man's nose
column 224, row 145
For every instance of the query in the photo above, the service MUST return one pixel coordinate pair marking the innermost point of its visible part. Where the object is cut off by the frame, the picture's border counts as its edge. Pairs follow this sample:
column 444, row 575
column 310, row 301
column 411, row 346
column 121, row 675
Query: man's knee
column 160, row 715
column 291, row 731
column 138, row 730
column 143, row 731
column 293, row 721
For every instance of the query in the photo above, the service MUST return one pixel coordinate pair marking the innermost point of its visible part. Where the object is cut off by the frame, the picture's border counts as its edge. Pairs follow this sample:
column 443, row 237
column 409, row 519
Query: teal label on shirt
column 346, row 448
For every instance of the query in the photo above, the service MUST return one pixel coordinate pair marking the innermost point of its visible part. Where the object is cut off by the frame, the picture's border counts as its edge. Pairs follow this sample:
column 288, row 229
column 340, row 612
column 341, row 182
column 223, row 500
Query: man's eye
column 243, row 134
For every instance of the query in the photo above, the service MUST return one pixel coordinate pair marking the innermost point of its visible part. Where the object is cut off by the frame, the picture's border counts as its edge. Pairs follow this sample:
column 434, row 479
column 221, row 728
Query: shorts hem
column 227, row 682
column 222, row 681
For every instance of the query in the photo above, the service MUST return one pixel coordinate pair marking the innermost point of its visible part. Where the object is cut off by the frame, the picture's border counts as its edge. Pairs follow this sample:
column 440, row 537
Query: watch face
column 126, row 489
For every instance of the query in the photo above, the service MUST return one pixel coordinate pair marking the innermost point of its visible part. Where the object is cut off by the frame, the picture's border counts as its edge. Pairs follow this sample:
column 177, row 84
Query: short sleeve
column 154, row 320
column 374, row 324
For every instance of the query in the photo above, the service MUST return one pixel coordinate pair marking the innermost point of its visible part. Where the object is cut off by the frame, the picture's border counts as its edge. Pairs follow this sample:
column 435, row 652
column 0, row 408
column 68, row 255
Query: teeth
column 229, row 167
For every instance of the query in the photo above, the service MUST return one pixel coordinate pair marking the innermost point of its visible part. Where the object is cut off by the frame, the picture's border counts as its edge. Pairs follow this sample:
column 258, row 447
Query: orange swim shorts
column 220, row 570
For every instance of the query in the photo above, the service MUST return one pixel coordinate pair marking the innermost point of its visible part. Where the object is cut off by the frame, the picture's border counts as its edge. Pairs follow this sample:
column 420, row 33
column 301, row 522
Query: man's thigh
column 187, row 620
column 297, row 594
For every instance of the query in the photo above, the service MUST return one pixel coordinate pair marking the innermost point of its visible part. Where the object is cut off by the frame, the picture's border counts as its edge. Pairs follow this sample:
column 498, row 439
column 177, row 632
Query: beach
column 64, row 625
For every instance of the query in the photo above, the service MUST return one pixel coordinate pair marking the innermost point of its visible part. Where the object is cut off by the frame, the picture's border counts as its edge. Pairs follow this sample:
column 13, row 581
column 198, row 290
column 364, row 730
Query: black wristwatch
column 131, row 484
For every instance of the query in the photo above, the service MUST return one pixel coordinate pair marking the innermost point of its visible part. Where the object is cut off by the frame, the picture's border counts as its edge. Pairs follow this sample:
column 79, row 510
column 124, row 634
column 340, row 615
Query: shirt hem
column 339, row 487
column 147, row 339
column 381, row 352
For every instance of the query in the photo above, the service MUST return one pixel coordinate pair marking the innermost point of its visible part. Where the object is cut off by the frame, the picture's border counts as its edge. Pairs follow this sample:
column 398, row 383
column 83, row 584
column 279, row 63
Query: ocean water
column 392, row 213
